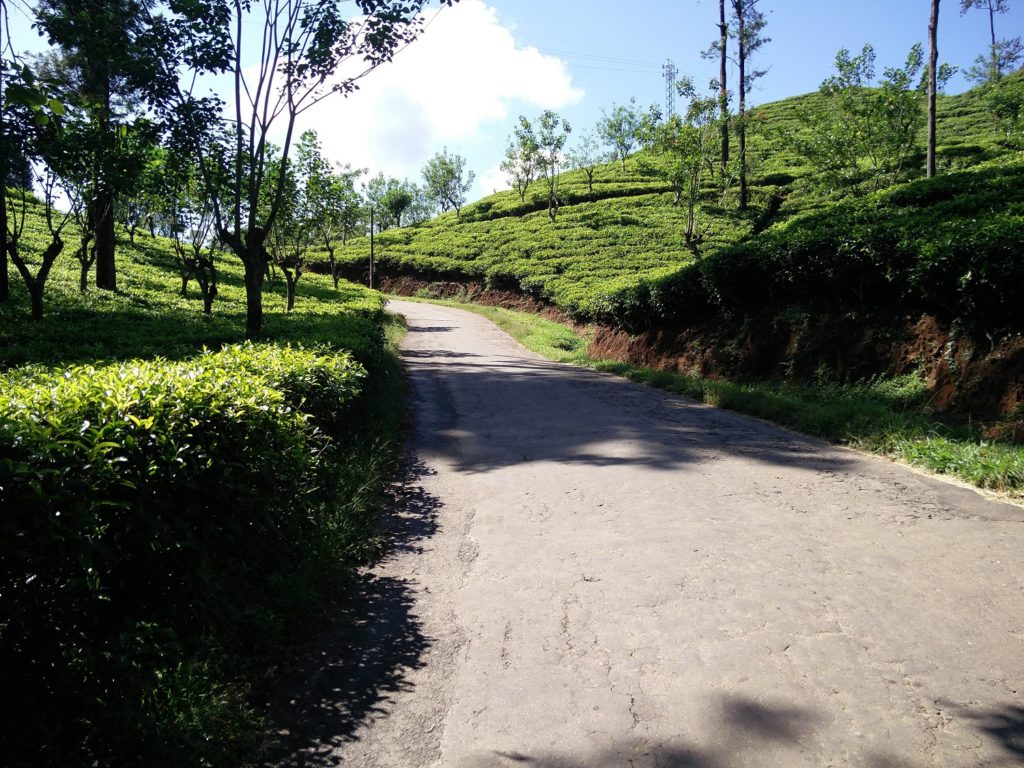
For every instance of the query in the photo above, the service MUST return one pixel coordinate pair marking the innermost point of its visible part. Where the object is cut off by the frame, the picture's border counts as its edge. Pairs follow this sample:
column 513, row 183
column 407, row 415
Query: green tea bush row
column 949, row 246
column 149, row 510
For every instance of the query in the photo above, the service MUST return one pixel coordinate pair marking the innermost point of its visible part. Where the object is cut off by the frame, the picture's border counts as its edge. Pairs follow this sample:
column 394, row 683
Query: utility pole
column 670, row 72
column 371, row 248
column 933, row 63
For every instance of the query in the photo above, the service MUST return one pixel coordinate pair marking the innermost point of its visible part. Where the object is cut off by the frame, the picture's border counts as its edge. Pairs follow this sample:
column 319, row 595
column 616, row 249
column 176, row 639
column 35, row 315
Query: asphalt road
column 587, row 572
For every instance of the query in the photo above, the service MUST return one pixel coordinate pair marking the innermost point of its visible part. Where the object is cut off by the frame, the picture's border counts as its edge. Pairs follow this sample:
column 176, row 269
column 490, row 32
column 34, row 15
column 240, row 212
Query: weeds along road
column 587, row 572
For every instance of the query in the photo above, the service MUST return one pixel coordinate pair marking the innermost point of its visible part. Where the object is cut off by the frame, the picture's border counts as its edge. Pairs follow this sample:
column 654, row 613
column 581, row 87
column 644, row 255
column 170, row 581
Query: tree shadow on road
column 527, row 410
column 743, row 727
column 349, row 675
column 478, row 414
column 1004, row 725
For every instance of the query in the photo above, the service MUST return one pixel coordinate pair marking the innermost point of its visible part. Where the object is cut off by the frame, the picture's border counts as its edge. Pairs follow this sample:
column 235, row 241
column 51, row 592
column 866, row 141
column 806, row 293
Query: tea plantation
column 175, row 503
column 618, row 254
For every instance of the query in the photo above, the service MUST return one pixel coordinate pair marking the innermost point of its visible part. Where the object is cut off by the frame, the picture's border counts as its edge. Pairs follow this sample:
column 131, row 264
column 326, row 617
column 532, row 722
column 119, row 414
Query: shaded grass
column 888, row 417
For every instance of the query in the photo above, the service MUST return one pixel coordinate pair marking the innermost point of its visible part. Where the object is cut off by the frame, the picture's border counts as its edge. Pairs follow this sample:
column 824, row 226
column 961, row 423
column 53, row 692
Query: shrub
column 149, row 510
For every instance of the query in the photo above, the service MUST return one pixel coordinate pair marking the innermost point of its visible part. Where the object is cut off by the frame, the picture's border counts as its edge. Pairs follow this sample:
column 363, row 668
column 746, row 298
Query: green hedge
column 149, row 510
column 949, row 246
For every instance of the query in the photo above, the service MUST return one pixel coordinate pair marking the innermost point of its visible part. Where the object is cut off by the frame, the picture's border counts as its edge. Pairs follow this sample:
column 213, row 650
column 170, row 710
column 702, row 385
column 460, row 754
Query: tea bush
column 949, row 246
column 151, row 509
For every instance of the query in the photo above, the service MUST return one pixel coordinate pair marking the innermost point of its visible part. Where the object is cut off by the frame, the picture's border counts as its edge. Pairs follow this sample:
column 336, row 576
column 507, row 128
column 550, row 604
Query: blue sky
column 482, row 62
column 596, row 52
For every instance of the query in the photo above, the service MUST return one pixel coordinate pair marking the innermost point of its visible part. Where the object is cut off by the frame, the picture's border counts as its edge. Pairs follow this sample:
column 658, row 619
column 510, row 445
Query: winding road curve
column 587, row 572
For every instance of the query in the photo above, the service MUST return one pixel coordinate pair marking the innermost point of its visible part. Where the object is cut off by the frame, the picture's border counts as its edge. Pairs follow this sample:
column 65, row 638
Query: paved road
column 592, row 573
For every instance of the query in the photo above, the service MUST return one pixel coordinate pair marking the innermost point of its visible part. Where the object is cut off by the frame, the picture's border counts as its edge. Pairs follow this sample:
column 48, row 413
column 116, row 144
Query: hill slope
column 925, row 276
column 607, row 244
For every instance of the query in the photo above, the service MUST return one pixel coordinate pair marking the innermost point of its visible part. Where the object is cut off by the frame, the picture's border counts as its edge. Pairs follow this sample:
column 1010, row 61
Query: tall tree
column 40, row 139
column 620, row 129
column 933, row 86
column 113, row 59
column 552, row 133
column 748, row 24
column 391, row 198
column 585, row 156
column 861, row 133
column 191, row 218
column 303, row 43
column 8, row 62
column 23, row 104
column 334, row 205
column 686, row 146
column 720, row 49
column 1003, row 54
column 520, row 163
column 447, row 181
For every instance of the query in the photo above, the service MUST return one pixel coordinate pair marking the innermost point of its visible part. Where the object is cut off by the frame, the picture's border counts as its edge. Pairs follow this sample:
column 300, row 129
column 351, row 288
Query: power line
column 598, row 58
column 615, row 69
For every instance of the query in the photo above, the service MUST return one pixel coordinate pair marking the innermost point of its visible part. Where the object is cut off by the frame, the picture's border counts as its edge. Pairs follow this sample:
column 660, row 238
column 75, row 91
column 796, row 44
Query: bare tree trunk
column 103, row 213
column 741, row 129
column 723, row 89
column 992, row 26
column 86, row 259
column 291, row 279
column 253, row 299
column 36, row 285
column 331, row 260
column 103, row 201
column 5, row 282
column 933, row 63
column 35, row 293
column 210, row 292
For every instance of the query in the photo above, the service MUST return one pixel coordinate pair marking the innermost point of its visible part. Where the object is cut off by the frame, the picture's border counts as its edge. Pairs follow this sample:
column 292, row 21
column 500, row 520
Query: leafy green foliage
column 685, row 145
column 522, row 159
column 391, row 199
column 945, row 246
column 1004, row 100
column 552, row 132
column 620, row 130
column 219, row 498
column 150, row 507
column 447, row 181
column 585, row 156
column 859, row 137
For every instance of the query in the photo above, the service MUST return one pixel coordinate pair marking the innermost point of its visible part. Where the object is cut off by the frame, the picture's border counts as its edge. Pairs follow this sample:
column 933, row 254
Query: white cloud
column 492, row 180
column 466, row 74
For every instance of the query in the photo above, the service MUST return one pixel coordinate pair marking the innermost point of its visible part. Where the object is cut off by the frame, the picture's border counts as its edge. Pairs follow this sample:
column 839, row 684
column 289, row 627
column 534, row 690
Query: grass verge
column 888, row 417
